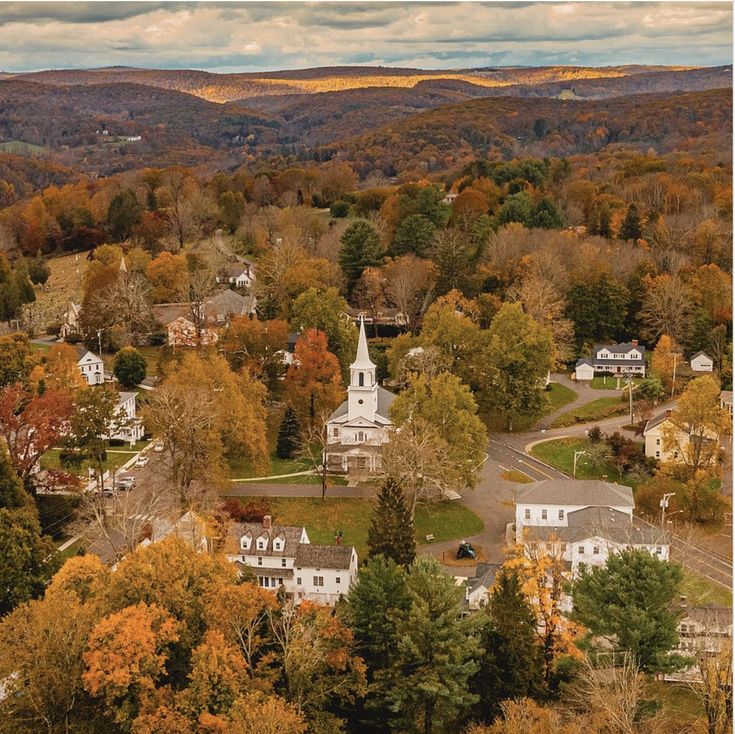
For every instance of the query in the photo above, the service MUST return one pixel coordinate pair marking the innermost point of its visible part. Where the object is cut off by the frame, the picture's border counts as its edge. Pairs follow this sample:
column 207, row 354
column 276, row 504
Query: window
column 260, row 561
column 283, row 562
column 658, row 442
column 318, row 580
column 527, row 514
column 658, row 454
column 335, row 431
column 298, row 581
column 261, row 544
column 659, row 549
column 580, row 550
column 337, row 579
column 280, row 581
column 544, row 514
column 596, row 550
column 561, row 514
column 361, row 379
column 360, row 436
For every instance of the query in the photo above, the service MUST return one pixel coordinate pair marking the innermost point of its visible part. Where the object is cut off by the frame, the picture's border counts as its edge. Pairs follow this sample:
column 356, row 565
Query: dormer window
column 278, row 544
column 262, row 543
column 245, row 542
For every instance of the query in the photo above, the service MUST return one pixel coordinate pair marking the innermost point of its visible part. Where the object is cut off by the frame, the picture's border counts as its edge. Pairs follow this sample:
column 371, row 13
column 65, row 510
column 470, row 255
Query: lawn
column 593, row 411
column 559, row 396
column 700, row 590
column 680, row 701
column 241, row 468
column 73, row 549
column 50, row 460
column 513, row 475
column 64, row 285
column 610, row 382
column 324, row 518
column 560, row 454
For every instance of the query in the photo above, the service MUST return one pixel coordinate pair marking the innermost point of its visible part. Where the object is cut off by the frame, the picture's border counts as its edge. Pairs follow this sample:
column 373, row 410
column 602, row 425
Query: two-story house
column 133, row 429
column 241, row 275
column 584, row 521
column 283, row 556
column 627, row 358
column 91, row 366
column 665, row 442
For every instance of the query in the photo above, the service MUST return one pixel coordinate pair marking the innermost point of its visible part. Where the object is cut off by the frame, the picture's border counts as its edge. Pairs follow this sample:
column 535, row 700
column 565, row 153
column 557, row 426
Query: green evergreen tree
column 360, row 248
column 429, row 203
column 511, row 665
column 630, row 601
column 39, row 271
column 392, row 533
column 27, row 559
column 546, row 215
column 630, row 229
column 414, row 234
column 130, row 367
column 289, row 437
column 123, row 214
column 516, row 208
column 375, row 605
column 436, row 654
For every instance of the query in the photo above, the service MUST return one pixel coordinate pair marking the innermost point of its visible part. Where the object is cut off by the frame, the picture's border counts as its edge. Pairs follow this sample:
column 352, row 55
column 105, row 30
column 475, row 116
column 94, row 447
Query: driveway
column 585, row 394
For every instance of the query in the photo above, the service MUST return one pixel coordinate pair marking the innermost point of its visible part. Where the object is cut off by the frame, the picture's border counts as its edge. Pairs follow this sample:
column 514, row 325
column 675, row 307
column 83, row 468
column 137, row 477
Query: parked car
column 141, row 461
column 125, row 483
column 158, row 448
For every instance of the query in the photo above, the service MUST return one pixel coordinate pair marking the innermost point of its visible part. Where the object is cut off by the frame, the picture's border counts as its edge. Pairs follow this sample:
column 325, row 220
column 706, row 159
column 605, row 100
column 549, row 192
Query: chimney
column 267, row 522
column 634, row 342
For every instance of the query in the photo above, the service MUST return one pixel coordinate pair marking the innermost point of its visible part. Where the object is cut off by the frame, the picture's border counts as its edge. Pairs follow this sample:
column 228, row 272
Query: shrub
column 253, row 510
column 339, row 209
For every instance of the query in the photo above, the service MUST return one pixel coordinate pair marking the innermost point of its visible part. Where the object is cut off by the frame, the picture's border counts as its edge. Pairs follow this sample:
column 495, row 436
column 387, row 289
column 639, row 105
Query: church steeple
column 362, row 394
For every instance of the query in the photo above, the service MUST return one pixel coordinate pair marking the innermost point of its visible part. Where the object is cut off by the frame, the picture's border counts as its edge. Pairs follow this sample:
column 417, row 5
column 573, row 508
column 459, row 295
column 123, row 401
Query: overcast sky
column 261, row 36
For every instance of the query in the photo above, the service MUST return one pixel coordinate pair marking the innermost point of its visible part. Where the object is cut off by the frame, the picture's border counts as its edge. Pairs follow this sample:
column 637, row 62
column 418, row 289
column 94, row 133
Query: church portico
column 361, row 424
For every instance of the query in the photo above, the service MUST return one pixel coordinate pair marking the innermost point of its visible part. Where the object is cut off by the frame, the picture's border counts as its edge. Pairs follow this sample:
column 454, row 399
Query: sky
column 232, row 37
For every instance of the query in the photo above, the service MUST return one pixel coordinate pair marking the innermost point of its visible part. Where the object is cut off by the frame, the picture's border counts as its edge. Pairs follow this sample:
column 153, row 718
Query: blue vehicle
column 465, row 550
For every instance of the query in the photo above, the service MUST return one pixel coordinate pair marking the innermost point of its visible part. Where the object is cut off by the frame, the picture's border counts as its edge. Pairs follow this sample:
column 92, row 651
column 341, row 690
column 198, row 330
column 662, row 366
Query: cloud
column 263, row 36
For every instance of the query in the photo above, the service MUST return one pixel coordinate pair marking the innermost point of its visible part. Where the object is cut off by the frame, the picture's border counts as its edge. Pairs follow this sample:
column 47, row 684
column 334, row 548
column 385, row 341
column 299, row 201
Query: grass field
column 560, row 453
column 680, row 701
column 559, row 396
column 593, row 411
column 18, row 147
column 513, row 475
column 64, row 285
column 116, row 457
column 610, row 382
column 700, row 590
column 324, row 518
column 241, row 468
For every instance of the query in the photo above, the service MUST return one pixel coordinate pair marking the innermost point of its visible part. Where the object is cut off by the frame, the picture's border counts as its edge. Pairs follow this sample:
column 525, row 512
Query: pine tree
column 511, row 665
column 288, row 435
column 391, row 531
column 436, row 654
column 630, row 229
column 360, row 248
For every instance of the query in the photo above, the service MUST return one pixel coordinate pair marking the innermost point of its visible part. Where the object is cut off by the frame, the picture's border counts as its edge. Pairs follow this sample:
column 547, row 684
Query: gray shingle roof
column 484, row 576
column 323, row 556
column 589, row 492
column 290, row 535
column 656, row 421
column 622, row 347
column 385, row 400
column 584, row 360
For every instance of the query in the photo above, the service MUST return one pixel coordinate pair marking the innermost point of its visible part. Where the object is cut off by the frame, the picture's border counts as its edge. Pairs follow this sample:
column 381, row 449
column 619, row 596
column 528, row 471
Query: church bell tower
column 362, row 393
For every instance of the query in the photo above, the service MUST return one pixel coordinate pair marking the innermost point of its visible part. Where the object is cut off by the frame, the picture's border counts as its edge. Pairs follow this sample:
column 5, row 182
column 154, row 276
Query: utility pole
column 664, row 503
column 99, row 341
column 630, row 396
column 577, row 454
column 673, row 378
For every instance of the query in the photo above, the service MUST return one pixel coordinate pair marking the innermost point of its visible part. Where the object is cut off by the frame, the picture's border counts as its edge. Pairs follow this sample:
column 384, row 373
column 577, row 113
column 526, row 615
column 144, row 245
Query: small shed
column 701, row 362
column 584, row 370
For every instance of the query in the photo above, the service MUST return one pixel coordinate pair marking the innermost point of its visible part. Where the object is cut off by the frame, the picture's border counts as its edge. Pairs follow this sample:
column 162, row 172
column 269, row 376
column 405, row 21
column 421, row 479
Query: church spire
column 362, row 360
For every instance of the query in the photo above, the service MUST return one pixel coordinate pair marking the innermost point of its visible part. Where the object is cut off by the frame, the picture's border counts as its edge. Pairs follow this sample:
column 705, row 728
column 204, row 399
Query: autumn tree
column 31, row 424
column 130, row 367
column 15, row 358
column 127, row 656
column 519, row 356
column 667, row 308
column 391, row 532
column 326, row 311
column 666, row 358
column 598, row 307
column 629, row 603
column 59, row 371
column 696, row 424
column 169, row 278
column 204, row 411
column 258, row 346
column 409, row 286
column 439, row 435
column 361, row 248
column 313, row 382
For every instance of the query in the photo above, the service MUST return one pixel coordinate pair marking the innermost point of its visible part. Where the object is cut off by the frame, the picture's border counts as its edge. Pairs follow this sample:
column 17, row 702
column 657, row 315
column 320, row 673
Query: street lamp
column 663, row 504
column 577, row 454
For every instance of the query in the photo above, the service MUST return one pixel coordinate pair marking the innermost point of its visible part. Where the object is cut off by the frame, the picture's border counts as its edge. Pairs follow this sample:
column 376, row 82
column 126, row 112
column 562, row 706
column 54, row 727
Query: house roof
column 709, row 615
column 656, row 421
column 701, row 354
column 323, row 556
column 124, row 396
column 587, row 492
column 726, row 396
column 584, row 361
column 229, row 302
column 599, row 522
column 82, row 351
column 291, row 536
column 622, row 347
column 385, row 400
column 166, row 313
column 621, row 362
column 484, row 576
column 235, row 269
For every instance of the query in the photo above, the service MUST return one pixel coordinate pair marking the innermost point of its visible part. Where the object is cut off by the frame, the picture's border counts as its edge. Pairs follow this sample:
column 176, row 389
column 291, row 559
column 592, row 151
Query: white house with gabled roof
column 91, row 366
column 618, row 359
column 361, row 424
column 701, row 362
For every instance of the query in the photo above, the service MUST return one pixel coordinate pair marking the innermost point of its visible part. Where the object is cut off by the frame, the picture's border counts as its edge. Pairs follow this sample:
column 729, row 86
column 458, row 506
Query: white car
column 158, row 448
column 141, row 461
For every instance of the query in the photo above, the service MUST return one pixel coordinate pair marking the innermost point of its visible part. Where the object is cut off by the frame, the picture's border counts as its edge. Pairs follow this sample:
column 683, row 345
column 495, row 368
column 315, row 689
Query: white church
column 361, row 425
